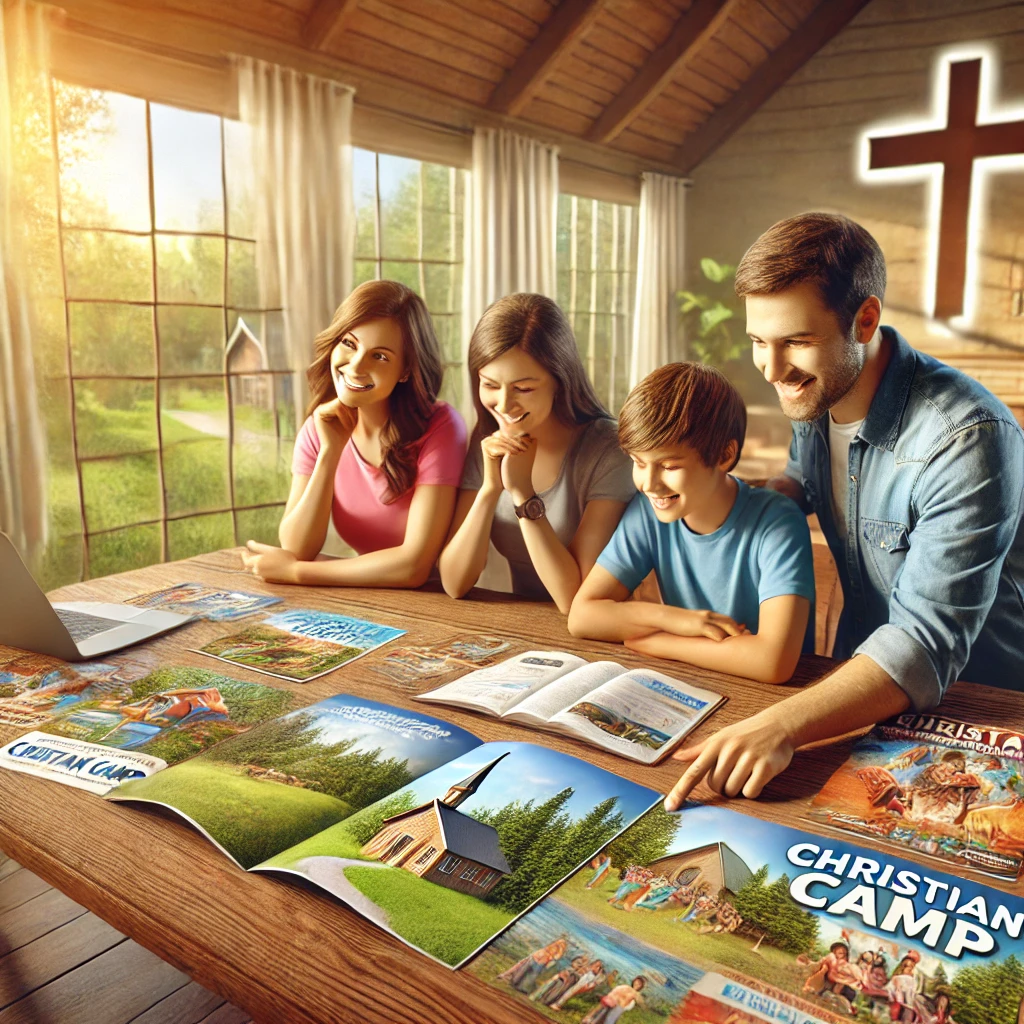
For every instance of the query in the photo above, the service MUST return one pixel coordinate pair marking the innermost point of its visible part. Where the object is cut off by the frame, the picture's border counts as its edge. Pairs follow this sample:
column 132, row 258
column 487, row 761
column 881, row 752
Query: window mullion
column 158, row 391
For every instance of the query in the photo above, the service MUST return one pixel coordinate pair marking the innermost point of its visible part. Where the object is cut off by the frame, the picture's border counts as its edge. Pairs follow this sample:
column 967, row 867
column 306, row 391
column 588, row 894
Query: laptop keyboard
column 82, row 626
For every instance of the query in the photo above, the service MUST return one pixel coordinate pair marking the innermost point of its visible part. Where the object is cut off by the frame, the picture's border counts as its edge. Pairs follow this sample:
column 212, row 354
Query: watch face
column 533, row 508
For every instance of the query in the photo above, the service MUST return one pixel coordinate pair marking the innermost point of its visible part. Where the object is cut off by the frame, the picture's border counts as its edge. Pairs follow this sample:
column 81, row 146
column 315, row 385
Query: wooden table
column 288, row 953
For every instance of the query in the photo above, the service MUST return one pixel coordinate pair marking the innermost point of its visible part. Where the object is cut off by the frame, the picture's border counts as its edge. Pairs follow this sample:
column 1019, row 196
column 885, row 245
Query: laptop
column 69, row 630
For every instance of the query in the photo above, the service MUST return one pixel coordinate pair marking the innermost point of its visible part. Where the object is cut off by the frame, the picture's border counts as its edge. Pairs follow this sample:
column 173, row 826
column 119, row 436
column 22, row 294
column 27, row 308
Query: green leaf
column 713, row 270
column 714, row 316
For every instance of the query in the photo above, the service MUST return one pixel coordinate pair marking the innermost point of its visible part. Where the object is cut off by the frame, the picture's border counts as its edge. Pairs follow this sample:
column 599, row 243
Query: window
column 470, row 873
column 426, row 855
column 486, row 878
column 596, row 263
column 449, row 864
column 409, row 229
column 166, row 391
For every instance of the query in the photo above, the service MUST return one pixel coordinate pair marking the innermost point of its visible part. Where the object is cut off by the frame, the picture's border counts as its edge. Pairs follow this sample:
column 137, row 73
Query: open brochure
column 639, row 713
column 709, row 916
column 946, row 789
column 439, row 838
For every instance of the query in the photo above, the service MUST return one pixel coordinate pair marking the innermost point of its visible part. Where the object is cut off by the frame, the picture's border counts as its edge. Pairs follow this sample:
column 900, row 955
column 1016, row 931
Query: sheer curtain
column 510, row 225
column 29, row 266
column 657, row 333
column 305, row 220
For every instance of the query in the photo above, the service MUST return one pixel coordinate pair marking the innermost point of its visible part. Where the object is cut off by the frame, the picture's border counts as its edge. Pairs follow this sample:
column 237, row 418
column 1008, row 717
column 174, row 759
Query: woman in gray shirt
column 545, row 478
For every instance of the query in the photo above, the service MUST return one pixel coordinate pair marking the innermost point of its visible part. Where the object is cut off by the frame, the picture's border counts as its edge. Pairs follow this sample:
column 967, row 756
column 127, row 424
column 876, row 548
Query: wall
column 800, row 152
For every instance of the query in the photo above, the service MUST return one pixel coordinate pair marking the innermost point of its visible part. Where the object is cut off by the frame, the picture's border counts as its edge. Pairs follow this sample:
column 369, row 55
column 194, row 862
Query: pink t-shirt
column 360, row 516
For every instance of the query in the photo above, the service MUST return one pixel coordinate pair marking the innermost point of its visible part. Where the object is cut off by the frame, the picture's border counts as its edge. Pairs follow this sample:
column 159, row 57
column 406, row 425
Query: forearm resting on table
column 750, row 655
column 858, row 693
column 465, row 555
column 617, row 621
column 390, row 567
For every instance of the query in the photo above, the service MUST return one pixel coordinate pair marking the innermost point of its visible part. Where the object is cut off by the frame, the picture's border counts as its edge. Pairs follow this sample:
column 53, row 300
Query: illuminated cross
column 956, row 147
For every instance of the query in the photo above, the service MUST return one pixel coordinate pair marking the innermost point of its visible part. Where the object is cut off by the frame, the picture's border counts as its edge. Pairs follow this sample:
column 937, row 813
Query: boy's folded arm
column 768, row 656
column 601, row 610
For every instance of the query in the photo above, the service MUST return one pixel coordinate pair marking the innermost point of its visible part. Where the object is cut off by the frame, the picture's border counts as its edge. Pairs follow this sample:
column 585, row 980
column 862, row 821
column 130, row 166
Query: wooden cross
column 956, row 147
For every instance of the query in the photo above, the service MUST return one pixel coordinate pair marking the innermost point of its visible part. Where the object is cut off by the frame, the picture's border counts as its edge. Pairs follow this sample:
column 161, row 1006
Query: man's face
column 799, row 347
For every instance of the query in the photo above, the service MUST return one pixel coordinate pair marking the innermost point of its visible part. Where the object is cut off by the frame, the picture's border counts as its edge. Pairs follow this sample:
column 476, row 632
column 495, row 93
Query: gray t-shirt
column 594, row 468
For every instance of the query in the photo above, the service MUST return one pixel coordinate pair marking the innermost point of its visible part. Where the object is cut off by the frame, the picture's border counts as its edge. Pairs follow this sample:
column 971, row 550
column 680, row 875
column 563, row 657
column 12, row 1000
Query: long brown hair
column 539, row 327
column 413, row 401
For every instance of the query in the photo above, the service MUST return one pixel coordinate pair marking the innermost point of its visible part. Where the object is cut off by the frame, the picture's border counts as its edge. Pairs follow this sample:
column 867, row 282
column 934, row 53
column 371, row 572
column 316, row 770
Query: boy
column 733, row 563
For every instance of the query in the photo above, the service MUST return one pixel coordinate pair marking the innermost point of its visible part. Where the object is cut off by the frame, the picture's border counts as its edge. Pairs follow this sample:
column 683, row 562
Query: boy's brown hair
column 832, row 251
column 684, row 403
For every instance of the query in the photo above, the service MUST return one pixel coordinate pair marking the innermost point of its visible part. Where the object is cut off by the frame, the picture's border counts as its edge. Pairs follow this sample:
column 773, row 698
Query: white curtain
column 657, row 332
column 510, row 224
column 510, row 227
column 29, row 273
column 305, row 220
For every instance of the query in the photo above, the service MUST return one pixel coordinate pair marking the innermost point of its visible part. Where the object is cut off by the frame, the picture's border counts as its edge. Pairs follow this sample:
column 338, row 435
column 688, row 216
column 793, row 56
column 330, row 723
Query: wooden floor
column 59, row 964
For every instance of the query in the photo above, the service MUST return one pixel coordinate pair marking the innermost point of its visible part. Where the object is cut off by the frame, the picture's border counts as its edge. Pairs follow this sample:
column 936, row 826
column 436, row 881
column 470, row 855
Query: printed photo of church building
column 715, row 864
column 440, row 843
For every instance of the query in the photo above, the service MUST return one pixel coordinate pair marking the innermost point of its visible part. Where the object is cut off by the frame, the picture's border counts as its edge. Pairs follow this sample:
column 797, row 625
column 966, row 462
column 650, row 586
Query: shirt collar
column 881, row 426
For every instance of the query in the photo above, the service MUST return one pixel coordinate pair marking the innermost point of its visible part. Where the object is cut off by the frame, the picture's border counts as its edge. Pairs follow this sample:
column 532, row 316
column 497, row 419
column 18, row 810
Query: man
column 916, row 474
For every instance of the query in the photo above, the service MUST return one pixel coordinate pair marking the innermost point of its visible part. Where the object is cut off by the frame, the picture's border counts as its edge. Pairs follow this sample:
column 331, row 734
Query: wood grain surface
column 286, row 952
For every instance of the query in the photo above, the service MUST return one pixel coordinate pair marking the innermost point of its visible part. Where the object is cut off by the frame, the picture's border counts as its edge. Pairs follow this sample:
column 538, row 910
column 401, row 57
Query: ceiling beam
column 692, row 29
column 825, row 21
column 326, row 22
column 564, row 28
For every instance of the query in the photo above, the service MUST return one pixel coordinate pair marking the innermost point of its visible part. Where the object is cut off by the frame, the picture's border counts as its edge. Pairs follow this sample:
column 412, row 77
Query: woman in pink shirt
column 378, row 453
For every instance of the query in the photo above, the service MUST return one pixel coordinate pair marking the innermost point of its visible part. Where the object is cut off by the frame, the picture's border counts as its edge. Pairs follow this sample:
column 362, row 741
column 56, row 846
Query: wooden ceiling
column 665, row 81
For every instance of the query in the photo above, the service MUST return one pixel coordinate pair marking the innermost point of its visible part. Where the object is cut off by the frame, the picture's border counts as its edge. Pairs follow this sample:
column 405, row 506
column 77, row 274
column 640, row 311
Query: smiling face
column 517, row 391
column 676, row 480
column 368, row 362
column 801, row 349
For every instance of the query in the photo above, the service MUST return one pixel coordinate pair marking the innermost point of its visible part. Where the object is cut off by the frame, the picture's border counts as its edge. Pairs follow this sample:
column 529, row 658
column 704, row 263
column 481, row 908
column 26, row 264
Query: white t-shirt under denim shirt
column 594, row 468
column 839, row 437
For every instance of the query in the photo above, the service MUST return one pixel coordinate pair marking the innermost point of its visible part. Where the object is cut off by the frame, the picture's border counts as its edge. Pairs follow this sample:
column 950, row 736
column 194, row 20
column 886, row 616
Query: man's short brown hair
column 834, row 252
column 684, row 403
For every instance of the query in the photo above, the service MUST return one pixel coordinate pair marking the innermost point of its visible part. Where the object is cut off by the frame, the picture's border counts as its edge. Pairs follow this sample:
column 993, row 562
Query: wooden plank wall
column 59, row 964
column 799, row 152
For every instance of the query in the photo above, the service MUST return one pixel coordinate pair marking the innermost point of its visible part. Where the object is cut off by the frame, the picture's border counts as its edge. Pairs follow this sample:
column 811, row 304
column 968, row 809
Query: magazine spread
column 433, row 835
column 205, row 602
column 947, row 789
column 708, row 915
column 301, row 644
column 98, row 724
column 639, row 713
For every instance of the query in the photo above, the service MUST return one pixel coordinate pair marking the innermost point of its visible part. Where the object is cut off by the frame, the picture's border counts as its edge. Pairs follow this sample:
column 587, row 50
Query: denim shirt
column 932, row 566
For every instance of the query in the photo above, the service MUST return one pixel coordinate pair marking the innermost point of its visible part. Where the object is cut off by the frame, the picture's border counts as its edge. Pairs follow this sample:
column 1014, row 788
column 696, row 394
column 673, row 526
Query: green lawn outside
column 446, row 924
column 124, row 491
column 251, row 818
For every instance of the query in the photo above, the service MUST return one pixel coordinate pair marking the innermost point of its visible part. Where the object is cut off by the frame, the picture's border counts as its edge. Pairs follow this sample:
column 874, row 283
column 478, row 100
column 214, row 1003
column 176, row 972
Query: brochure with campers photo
column 709, row 916
column 637, row 713
column 433, row 835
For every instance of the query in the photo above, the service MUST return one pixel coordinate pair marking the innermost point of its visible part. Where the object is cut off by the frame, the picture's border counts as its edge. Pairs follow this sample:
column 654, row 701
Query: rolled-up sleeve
column 968, row 502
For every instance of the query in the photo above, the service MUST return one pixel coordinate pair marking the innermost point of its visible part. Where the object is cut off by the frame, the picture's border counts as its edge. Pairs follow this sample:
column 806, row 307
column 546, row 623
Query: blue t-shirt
column 761, row 551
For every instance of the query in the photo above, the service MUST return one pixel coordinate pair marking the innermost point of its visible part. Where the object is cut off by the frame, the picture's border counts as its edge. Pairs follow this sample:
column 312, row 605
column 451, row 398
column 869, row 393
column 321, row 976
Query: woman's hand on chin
column 270, row 564
column 334, row 422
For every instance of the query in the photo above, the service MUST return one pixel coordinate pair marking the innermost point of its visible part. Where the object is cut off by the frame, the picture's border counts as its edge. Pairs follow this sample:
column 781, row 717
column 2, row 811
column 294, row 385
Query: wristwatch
column 532, row 508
